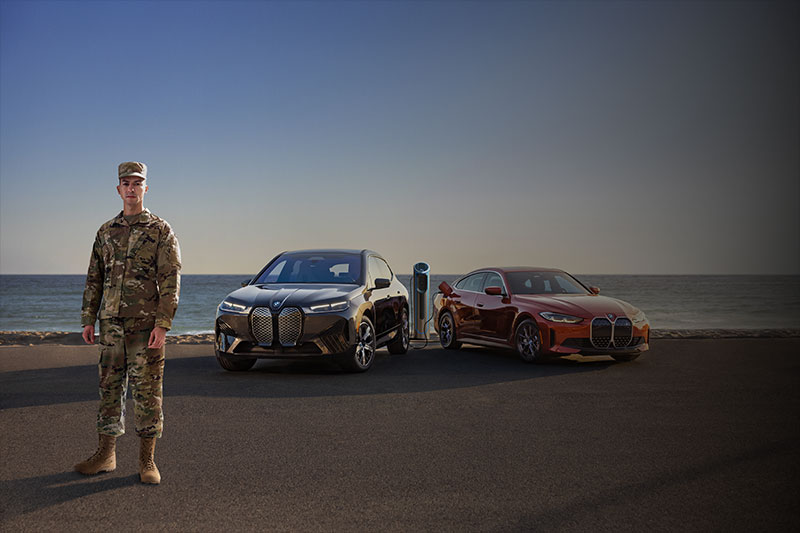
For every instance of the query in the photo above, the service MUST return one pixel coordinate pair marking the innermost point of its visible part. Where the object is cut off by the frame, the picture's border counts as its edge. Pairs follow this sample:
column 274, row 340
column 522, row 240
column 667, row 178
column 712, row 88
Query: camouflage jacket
column 134, row 271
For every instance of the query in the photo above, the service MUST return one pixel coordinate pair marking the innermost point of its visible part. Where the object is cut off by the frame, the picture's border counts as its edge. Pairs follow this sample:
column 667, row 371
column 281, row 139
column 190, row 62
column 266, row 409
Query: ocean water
column 53, row 303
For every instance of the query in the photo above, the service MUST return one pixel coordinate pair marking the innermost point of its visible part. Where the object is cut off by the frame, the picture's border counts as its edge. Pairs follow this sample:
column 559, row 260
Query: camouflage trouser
column 124, row 359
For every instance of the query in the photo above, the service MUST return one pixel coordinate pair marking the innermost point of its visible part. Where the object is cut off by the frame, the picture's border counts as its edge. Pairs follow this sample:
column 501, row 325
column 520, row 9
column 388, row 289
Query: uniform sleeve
column 168, row 264
column 93, row 292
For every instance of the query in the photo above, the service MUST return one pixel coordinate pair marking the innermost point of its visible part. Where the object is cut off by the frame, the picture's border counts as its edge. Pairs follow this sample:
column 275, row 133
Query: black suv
column 339, row 303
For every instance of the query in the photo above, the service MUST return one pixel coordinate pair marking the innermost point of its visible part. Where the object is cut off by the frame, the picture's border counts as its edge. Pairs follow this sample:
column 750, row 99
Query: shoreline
column 70, row 338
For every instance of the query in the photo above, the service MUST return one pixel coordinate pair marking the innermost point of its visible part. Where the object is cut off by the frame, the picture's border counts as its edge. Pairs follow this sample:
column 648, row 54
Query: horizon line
column 464, row 273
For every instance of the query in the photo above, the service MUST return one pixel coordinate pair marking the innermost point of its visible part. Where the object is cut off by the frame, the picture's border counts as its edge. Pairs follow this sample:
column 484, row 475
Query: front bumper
column 321, row 334
column 568, row 339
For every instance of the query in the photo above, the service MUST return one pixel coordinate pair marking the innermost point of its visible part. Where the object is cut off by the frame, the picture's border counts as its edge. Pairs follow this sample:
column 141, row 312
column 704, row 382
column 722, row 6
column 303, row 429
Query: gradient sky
column 597, row 137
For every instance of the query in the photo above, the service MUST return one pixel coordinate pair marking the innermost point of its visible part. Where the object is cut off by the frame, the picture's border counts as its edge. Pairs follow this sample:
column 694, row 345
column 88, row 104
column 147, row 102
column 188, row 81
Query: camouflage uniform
column 132, row 286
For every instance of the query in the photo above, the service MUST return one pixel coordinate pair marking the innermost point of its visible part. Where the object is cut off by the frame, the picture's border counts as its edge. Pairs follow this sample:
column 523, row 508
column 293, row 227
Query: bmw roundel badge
column 610, row 316
column 276, row 304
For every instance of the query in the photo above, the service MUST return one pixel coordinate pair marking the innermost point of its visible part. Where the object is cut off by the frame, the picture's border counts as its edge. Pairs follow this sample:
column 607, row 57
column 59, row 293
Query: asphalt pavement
column 695, row 435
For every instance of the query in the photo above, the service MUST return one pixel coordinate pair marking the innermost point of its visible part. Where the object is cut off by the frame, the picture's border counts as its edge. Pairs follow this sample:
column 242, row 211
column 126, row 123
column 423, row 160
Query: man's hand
column 157, row 338
column 88, row 334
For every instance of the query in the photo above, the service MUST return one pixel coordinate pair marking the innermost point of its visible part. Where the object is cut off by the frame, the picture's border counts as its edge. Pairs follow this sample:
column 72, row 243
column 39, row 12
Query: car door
column 380, row 298
column 495, row 313
column 463, row 304
column 395, row 298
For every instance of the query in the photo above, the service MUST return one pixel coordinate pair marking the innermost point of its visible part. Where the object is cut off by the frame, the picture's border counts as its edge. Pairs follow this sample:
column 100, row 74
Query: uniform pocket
column 111, row 334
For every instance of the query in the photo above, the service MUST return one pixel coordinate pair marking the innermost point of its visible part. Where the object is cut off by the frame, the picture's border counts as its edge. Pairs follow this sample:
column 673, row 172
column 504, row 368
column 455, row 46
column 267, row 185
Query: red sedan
column 539, row 312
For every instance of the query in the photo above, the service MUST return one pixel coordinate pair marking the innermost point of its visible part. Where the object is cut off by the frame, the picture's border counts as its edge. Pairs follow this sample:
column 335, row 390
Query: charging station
column 420, row 309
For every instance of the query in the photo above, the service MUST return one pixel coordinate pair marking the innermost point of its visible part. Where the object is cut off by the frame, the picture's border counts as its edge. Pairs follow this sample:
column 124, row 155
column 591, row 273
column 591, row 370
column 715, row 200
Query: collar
column 144, row 218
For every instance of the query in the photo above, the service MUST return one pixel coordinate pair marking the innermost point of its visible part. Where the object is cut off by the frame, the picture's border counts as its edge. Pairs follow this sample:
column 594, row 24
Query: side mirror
column 594, row 290
column 246, row 282
column 494, row 291
column 382, row 283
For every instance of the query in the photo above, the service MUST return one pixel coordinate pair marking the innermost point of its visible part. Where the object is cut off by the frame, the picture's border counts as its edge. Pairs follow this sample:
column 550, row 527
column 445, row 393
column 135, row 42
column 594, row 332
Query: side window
column 475, row 283
column 461, row 283
column 493, row 279
column 383, row 269
column 373, row 269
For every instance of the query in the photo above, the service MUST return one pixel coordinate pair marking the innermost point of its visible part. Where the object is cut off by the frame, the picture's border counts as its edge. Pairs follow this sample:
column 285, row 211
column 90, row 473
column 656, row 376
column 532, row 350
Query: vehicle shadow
column 417, row 371
column 27, row 495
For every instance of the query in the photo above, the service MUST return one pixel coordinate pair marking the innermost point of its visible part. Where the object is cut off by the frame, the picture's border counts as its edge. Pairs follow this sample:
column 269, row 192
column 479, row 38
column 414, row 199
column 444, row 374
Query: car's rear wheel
column 624, row 358
column 447, row 332
column 359, row 358
column 238, row 364
column 399, row 346
column 528, row 341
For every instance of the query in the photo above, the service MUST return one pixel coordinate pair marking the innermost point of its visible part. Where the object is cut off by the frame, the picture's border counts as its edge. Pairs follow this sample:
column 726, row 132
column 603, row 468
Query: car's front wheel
column 360, row 356
column 399, row 345
column 447, row 332
column 238, row 364
column 528, row 341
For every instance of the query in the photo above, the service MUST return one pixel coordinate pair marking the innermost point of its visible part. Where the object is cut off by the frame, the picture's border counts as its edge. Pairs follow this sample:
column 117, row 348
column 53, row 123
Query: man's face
column 132, row 190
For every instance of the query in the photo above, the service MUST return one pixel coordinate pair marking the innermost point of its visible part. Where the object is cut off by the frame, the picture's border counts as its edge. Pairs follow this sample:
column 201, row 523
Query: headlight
column 329, row 307
column 638, row 317
column 558, row 317
column 233, row 307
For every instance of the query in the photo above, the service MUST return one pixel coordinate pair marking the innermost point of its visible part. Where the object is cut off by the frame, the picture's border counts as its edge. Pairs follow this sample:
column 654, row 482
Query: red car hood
column 583, row 305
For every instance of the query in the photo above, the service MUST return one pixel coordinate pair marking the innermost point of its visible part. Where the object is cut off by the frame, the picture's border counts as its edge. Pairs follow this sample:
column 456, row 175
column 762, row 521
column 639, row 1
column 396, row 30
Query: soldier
column 132, row 287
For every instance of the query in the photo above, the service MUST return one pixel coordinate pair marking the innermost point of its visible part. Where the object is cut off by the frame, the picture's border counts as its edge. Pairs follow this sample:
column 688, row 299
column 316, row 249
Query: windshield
column 313, row 268
column 544, row 282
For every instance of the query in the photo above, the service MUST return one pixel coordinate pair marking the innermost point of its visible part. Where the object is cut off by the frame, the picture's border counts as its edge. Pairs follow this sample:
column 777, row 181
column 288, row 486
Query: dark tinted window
column 543, row 283
column 313, row 268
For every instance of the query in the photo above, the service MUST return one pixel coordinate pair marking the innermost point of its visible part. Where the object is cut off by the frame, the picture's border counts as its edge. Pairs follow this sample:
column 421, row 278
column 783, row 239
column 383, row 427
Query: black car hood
column 277, row 296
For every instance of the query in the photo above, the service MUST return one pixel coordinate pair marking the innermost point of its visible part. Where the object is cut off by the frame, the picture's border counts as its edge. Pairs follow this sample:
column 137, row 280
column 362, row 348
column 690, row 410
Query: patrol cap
column 132, row 168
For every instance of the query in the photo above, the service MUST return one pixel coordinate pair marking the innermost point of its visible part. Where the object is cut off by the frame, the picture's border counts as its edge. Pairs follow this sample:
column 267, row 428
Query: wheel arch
column 524, row 315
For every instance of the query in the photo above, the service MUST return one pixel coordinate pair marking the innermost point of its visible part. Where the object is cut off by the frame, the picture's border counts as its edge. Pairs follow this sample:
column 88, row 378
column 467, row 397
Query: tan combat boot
column 103, row 460
column 148, row 471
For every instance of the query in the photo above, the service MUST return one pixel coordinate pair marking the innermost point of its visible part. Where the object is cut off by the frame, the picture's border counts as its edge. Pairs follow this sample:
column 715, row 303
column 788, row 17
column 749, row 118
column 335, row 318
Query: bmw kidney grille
column 290, row 326
column 623, row 332
column 607, row 334
column 290, row 323
column 261, row 325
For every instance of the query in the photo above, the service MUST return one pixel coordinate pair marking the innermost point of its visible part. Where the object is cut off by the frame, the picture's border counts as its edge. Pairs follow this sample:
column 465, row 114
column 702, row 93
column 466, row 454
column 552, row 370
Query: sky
column 596, row 137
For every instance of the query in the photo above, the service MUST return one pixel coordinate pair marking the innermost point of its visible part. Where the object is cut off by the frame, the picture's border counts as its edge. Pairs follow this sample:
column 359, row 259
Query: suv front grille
column 261, row 325
column 290, row 325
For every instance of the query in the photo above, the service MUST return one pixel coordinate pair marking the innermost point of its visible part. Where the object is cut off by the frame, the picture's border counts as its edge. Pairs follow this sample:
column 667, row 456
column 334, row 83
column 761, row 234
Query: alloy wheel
column 446, row 330
column 528, row 341
column 365, row 350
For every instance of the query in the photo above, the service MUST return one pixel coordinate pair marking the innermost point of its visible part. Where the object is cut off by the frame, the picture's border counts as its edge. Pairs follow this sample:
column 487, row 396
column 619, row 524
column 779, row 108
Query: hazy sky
column 598, row 137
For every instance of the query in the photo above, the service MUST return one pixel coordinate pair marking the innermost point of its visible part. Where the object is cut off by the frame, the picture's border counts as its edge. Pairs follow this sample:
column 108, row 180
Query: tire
column 624, row 358
column 359, row 358
column 528, row 341
column 447, row 332
column 399, row 346
column 235, row 365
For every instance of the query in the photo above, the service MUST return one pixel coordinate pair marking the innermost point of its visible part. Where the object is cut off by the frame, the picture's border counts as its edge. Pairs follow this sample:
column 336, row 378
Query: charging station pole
column 420, row 285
